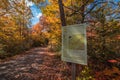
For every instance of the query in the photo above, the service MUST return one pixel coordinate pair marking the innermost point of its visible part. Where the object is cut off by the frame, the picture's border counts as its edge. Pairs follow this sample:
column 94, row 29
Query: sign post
column 71, row 39
column 63, row 21
column 73, row 71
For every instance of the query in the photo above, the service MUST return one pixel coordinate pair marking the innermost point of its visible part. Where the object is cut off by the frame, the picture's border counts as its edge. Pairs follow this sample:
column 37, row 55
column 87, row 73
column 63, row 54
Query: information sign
column 74, row 44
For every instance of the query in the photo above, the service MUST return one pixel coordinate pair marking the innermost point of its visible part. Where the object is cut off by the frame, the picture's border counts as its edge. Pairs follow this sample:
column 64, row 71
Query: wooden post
column 63, row 22
column 73, row 71
column 62, row 14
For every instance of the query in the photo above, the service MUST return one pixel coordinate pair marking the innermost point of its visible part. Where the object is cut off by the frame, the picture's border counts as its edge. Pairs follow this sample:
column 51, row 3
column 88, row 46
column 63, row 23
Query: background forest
column 103, row 32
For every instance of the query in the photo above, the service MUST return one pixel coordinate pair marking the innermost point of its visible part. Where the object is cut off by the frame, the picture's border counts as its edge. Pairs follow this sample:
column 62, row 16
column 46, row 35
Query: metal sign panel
column 74, row 44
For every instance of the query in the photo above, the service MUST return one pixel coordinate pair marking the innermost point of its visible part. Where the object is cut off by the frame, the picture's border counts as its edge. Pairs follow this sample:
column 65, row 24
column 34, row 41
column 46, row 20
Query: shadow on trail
column 36, row 64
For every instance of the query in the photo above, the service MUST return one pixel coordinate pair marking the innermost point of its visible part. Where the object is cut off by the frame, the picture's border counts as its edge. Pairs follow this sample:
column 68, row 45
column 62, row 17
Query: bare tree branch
column 92, row 8
column 68, row 8
column 77, row 11
column 96, row 3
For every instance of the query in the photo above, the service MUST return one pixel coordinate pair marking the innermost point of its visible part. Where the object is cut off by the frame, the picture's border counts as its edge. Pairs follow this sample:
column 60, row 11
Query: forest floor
column 35, row 64
column 41, row 64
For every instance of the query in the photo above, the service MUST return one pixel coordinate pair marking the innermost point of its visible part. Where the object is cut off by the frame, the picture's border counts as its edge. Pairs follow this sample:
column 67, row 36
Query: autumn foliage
column 103, row 34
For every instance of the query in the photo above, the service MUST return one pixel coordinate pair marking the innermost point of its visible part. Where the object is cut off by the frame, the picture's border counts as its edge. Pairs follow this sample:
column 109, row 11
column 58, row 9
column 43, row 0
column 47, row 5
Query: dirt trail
column 35, row 64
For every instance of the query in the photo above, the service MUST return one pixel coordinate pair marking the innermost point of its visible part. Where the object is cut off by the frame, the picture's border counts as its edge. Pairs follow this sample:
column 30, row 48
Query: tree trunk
column 82, row 13
column 62, row 14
